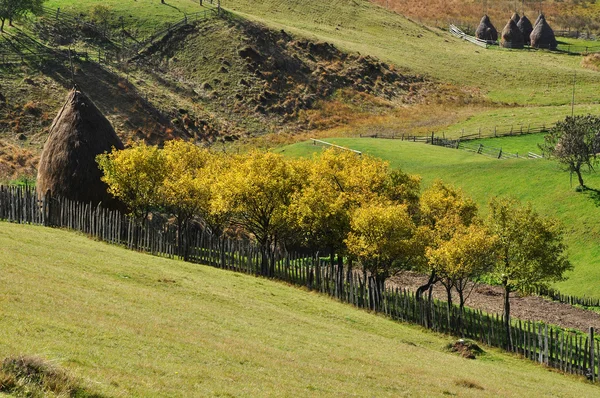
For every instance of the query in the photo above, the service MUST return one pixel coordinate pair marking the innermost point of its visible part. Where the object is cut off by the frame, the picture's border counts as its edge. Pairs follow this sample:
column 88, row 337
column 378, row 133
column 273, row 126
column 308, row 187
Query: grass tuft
column 32, row 376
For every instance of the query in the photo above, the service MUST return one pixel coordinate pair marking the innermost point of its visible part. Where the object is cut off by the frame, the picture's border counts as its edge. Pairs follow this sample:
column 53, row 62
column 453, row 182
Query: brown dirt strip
column 490, row 299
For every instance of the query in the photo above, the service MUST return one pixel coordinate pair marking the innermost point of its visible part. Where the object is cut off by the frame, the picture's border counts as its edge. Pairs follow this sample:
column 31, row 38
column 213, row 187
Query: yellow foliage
column 381, row 236
column 135, row 176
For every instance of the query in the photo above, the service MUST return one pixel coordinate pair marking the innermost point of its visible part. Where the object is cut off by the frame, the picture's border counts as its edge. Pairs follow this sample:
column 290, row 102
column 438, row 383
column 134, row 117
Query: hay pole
column 315, row 142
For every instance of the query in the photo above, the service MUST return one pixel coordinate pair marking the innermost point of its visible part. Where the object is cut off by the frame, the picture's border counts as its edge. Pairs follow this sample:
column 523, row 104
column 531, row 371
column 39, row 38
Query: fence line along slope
column 552, row 346
column 158, row 327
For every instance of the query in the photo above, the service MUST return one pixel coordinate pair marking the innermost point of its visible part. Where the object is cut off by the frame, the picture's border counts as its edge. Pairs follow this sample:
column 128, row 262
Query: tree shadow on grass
column 593, row 194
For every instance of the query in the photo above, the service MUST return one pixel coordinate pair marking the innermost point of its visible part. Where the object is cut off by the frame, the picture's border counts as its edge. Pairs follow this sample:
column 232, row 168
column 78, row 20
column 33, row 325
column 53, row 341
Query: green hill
column 538, row 181
column 128, row 324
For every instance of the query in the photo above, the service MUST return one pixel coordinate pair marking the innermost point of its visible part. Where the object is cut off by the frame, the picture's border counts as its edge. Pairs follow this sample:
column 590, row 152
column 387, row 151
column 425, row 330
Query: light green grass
column 537, row 181
column 103, row 312
column 520, row 144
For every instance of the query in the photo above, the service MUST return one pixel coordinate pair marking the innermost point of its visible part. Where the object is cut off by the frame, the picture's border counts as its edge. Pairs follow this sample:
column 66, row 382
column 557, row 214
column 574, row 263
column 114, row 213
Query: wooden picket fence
column 569, row 351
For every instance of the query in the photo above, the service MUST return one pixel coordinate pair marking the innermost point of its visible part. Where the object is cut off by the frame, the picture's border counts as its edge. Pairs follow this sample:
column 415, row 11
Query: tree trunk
column 426, row 286
column 2, row 25
column 507, row 313
column 579, row 177
column 449, row 302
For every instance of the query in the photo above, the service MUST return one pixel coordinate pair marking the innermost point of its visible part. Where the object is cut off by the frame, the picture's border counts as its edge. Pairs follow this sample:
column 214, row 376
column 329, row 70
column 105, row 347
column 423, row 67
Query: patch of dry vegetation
column 591, row 61
column 32, row 376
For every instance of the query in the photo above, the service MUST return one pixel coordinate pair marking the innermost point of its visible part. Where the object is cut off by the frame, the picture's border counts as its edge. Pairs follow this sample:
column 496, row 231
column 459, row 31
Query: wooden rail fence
column 571, row 352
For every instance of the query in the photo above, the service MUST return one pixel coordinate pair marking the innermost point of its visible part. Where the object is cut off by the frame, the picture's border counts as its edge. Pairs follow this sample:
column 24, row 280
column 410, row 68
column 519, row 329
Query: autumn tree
column 135, row 176
column 382, row 238
column 183, row 191
column 463, row 259
column 574, row 142
column 531, row 251
column 339, row 182
column 258, row 192
column 443, row 210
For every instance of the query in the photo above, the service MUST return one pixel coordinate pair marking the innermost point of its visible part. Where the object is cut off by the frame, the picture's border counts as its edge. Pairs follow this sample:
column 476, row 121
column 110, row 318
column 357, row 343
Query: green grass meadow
column 538, row 181
column 133, row 325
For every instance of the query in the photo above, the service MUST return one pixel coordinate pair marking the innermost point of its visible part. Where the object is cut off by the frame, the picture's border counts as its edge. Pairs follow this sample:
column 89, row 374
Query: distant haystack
column 538, row 19
column 515, row 17
column 542, row 35
column 68, row 165
column 526, row 28
column 512, row 36
column 486, row 31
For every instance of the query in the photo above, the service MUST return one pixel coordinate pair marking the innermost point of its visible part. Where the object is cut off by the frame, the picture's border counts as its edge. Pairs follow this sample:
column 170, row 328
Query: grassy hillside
column 537, row 181
column 133, row 325
column 521, row 77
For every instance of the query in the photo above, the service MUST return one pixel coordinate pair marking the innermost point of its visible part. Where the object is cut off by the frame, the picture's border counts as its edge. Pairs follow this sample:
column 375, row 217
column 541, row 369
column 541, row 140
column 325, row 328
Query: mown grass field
column 520, row 144
column 128, row 324
column 540, row 182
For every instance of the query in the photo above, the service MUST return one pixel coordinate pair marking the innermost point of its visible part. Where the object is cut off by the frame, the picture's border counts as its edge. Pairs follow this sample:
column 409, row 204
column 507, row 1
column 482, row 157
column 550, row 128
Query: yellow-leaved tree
column 135, row 176
column 443, row 210
column 462, row 260
column 337, row 183
column 257, row 192
column 183, row 190
column 383, row 238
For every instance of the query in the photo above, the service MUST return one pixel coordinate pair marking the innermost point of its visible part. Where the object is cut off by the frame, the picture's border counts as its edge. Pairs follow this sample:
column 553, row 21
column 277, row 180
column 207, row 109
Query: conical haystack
column 512, row 36
column 68, row 165
column 526, row 28
column 515, row 17
column 486, row 31
column 538, row 19
column 542, row 35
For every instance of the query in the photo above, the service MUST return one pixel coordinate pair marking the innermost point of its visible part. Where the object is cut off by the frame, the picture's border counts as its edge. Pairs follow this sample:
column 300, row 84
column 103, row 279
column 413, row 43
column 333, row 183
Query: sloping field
column 537, row 181
column 129, row 324
column 523, row 77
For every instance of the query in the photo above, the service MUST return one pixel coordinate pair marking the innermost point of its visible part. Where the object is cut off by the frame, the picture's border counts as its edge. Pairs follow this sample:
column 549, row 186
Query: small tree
column 135, row 176
column 443, row 210
column 382, row 239
column 574, row 142
column 531, row 252
column 13, row 9
column 461, row 261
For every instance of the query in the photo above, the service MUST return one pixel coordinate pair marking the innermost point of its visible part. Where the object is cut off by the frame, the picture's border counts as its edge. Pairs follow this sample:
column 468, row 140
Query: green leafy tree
column 13, row 9
column 574, row 142
column 531, row 251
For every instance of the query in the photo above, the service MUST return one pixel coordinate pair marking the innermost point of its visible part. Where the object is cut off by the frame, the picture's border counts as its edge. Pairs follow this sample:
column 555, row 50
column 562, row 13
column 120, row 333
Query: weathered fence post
column 592, row 362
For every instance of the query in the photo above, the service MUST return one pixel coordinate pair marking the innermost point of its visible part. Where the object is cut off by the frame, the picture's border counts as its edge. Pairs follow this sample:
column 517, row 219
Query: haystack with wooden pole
column 485, row 30
column 542, row 35
column 515, row 17
column 68, row 165
column 526, row 28
column 512, row 36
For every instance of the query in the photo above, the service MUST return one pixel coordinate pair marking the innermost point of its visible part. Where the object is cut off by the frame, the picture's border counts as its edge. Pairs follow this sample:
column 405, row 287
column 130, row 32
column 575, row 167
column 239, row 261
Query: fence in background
column 571, row 352
column 463, row 141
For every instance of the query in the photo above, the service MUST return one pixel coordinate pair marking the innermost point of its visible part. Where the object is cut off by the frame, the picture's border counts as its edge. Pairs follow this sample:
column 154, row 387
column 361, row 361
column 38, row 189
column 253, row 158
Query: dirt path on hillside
column 490, row 299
